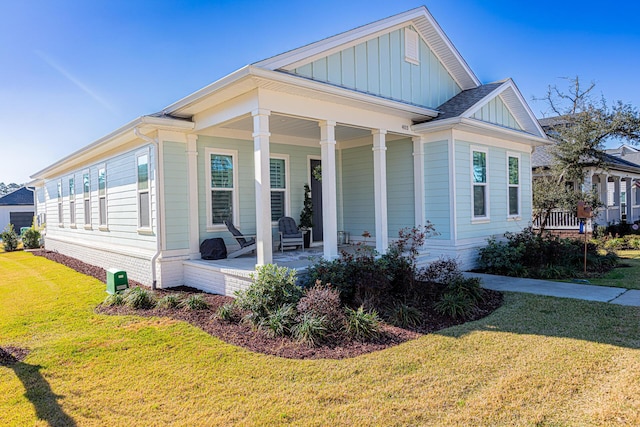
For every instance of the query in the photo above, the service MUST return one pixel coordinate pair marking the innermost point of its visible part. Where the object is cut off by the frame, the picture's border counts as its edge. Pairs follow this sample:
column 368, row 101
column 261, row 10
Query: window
column 144, row 201
column 60, row 218
column 611, row 192
column 277, row 171
column 514, row 185
column 480, row 188
column 222, row 203
column 72, row 200
column 86, row 195
column 102, row 197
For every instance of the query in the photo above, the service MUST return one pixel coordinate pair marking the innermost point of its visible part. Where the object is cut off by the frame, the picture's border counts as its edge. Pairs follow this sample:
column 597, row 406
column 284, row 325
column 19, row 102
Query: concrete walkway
column 618, row 296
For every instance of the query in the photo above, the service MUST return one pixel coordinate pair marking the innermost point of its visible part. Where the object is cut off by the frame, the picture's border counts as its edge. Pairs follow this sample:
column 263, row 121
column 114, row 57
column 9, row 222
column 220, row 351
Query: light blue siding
column 176, row 196
column 497, row 176
column 400, row 189
column 497, row 112
column 377, row 66
column 437, row 188
column 357, row 186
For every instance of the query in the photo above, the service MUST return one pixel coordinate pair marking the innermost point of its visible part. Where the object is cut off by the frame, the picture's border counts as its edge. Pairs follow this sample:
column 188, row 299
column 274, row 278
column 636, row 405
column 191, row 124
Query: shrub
column 114, row 299
column 272, row 288
column 468, row 287
column 278, row 323
column 169, row 301
column 227, row 312
column 31, row 238
column 9, row 238
column 362, row 325
column 139, row 298
column 455, row 305
column 310, row 329
column 443, row 271
column 403, row 315
column 322, row 301
column 195, row 302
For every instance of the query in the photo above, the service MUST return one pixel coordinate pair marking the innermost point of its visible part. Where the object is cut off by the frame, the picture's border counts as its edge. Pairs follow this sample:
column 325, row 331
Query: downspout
column 155, row 256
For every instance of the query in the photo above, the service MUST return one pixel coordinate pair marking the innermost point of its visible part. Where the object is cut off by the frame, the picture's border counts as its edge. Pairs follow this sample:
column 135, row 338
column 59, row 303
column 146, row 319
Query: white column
column 192, row 180
column 627, row 190
column 329, row 193
column 418, row 180
column 380, row 189
column 264, row 245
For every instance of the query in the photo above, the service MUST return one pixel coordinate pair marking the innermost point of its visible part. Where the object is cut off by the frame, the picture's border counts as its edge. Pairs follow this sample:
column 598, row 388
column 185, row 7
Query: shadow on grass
column 39, row 393
column 559, row 317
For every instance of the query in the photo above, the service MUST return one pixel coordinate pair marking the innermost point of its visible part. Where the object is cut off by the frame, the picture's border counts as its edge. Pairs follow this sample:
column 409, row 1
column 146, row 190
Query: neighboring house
column 17, row 208
column 402, row 128
column 617, row 185
column 625, row 152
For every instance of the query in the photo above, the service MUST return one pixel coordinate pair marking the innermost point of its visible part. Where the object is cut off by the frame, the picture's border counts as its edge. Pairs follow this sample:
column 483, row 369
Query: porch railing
column 559, row 220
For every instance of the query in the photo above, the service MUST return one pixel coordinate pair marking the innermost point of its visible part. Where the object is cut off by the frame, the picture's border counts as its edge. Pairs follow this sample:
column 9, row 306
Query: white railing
column 559, row 220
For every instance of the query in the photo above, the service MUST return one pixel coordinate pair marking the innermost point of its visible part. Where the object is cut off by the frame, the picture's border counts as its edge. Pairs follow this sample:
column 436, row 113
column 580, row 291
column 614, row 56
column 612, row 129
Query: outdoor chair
column 290, row 236
column 247, row 242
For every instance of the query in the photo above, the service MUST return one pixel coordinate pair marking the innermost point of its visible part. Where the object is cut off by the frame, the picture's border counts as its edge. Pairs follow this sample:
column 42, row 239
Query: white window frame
column 60, row 206
column 86, row 200
column 518, row 186
column 72, row 200
column 102, row 217
column 487, row 197
column 286, row 190
column 235, row 199
column 139, row 191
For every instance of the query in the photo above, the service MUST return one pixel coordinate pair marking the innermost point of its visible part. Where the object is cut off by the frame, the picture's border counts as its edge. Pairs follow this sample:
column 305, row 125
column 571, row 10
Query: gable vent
column 411, row 47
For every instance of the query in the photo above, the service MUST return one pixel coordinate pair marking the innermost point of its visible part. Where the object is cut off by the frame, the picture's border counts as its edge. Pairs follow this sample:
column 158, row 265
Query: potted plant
column 306, row 216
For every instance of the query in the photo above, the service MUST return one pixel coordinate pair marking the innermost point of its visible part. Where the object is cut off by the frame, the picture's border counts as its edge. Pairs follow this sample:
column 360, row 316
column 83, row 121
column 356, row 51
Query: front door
column 316, row 199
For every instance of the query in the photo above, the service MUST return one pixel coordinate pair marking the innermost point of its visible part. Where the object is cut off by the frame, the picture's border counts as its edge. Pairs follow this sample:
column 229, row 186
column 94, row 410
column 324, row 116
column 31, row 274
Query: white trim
column 418, row 180
column 86, row 197
column 235, row 199
column 102, row 225
column 287, row 183
column 192, row 179
column 329, row 190
column 518, row 216
column 72, row 200
column 60, row 201
column 380, row 190
column 453, row 182
column 142, row 229
column 487, row 196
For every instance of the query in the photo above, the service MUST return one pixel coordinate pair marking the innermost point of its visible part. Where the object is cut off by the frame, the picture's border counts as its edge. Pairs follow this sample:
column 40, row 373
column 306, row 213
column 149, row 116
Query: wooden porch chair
column 247, row 242
column 289, row 233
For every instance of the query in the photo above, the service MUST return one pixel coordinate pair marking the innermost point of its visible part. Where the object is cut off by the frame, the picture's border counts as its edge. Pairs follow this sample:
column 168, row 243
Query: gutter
column 154, row 258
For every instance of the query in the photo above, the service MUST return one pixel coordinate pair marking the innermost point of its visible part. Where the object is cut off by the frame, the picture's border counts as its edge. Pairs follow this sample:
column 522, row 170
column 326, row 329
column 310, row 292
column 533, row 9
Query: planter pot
column 306, row 234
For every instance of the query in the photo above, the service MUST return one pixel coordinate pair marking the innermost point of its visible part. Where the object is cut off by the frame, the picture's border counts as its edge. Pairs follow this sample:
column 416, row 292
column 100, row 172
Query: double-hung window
column 86, row 196
column 513, row 164
column 72, row 200
column 278, row 174
column 144, row 201
column 480, row 184
column 60, row 218
column 102, row 197
column 222, row 187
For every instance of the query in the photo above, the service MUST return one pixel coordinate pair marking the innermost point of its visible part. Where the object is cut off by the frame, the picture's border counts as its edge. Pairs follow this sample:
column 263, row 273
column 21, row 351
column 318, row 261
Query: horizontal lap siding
column 122, row 208
column 357, row 187
column 498, row 223
column 400, row 192
column 176, row 196
column 437, row 187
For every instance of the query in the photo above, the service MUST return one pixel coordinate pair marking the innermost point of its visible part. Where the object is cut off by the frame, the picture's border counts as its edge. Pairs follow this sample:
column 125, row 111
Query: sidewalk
column 618, row 296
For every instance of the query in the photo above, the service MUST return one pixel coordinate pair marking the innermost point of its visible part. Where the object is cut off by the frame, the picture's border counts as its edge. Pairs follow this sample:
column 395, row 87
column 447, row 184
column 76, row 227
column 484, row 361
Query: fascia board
column 113, row 140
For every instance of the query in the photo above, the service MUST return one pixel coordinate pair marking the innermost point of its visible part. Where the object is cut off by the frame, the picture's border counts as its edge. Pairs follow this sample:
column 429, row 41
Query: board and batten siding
column 176, row 195
column 357, row 189
column 496, row 112
column 437, row 188
column 378, row 67
column 122, row 209
column 400, row 186
column 497, row 175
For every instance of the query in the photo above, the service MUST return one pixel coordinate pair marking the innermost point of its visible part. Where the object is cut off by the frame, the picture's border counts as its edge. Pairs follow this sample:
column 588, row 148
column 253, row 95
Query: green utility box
column 116, row 280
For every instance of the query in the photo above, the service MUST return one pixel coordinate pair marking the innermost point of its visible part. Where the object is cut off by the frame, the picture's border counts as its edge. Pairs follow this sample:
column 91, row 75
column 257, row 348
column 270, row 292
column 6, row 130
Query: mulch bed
column 241, row 334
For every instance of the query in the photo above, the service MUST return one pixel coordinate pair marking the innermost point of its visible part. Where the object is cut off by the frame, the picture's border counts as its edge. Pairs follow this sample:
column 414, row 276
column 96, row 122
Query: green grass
column 535, row 361
column 626, row 276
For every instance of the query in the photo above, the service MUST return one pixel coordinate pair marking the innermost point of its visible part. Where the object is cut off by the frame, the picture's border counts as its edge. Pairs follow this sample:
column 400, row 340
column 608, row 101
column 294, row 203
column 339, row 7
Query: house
column 404, row 132
column 17, row 208
column 617, row 185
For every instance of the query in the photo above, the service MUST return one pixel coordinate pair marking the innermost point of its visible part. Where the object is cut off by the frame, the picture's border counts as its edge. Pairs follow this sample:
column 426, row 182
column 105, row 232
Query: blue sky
column 73, row 71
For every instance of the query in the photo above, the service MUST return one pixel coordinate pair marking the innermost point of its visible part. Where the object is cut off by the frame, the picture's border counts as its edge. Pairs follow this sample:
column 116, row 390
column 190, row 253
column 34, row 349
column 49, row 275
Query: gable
column 379, row 66
column 497, row 112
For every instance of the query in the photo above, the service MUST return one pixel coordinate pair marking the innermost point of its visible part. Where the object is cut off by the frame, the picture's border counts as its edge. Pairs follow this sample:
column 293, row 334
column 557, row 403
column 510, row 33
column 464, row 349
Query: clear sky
column 73, row 71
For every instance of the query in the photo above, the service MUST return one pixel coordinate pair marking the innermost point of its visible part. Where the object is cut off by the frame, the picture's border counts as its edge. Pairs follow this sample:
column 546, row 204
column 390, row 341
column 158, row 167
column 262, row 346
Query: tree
column 6, row 189
column 580, row 126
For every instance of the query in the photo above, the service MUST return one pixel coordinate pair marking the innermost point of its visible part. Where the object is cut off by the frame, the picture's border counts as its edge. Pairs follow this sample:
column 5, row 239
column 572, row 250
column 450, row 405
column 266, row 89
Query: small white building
column 17, row 208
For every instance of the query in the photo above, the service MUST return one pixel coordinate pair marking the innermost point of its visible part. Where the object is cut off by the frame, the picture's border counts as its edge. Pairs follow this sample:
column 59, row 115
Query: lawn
column 627, row 275
column 535, row 361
